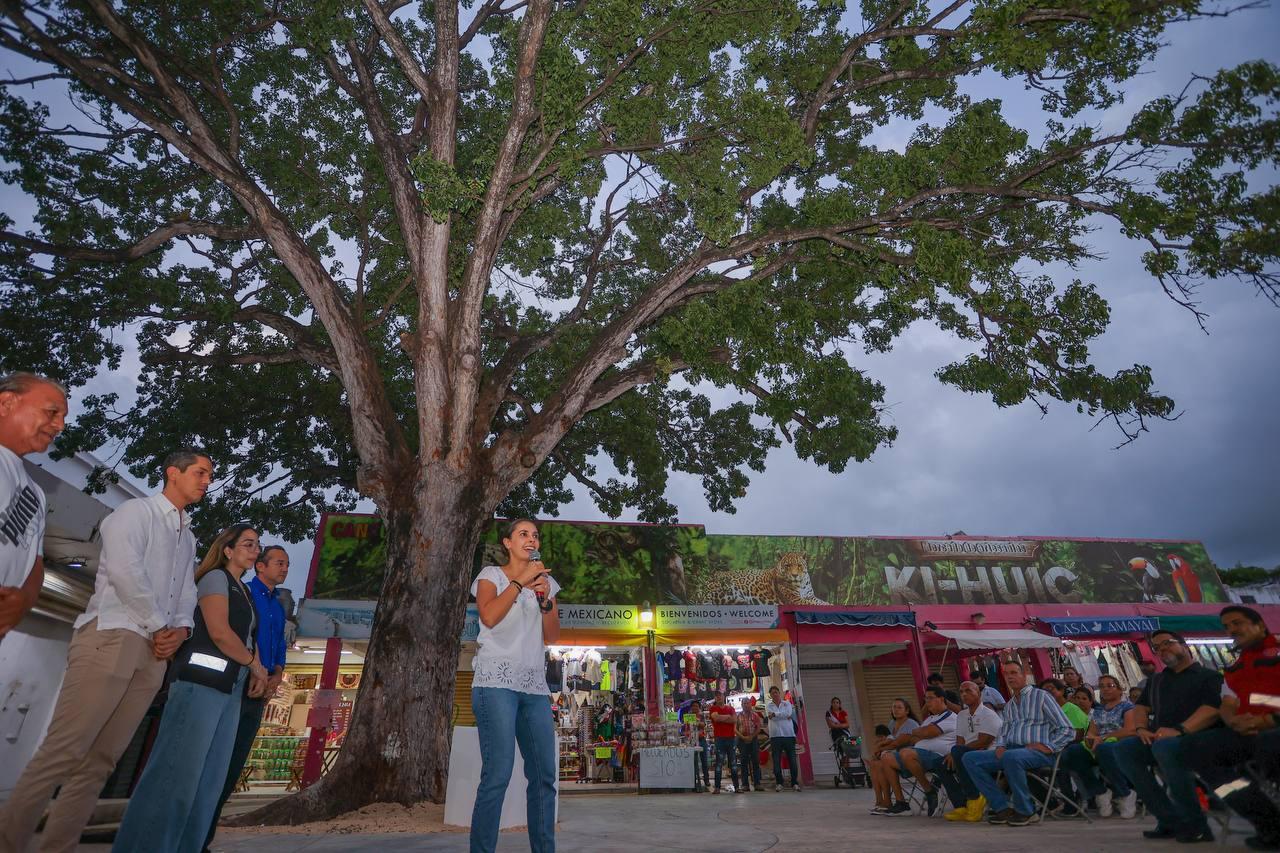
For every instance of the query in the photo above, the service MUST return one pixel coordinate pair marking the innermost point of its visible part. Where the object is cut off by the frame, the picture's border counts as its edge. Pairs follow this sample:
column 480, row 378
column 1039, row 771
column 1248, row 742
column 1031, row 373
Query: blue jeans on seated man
column 504, row 719
column 982, row 766
column 958, row 784
column 1083, row 765
column 1177, row 810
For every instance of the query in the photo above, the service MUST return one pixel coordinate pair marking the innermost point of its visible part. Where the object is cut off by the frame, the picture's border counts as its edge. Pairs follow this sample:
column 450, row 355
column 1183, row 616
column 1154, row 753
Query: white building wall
column 32, row 663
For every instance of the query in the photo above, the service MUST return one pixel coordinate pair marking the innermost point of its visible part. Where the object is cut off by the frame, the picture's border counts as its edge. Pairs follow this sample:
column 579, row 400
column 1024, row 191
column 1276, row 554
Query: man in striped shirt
column 1033, row 730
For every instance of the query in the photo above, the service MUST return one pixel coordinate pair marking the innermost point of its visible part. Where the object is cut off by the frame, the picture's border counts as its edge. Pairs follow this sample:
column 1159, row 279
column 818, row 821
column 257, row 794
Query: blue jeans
column 749, row 763
column 251, row 711
column 176, row 797
column 726, row 751
column 779, row 746
column 700, row 757
column 983, row 765
column 1133, row 760
column 959, row 786
column 1084, row 766
column 507, row 718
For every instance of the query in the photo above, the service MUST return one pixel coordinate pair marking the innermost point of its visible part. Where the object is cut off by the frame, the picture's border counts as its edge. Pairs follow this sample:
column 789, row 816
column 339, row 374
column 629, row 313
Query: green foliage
column 1240, row 575
column 722, row 155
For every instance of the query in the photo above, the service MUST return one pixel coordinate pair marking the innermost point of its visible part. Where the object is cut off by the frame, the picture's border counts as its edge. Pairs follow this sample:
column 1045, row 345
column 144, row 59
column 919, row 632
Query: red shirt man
column 718, row 728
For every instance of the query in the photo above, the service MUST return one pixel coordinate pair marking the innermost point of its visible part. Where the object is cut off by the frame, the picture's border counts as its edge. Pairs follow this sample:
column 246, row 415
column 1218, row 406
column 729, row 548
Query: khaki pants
column 112, row 676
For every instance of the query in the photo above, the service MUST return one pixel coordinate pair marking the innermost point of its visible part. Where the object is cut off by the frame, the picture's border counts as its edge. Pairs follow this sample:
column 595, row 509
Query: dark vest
column 200, row 661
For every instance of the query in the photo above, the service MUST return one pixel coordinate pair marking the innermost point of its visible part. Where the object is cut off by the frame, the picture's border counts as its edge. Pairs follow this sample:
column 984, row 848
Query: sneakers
column 1105, row 808
column 1017, row 819
column 759, row 790
column 1001, row 817
column 961, row 813
column 880, row 810
column 796, row 788
column 777, row 788
column 1129, row 805
column 1159, row 832
column 931, row 802
column 715, row 790
column 976, row 808
column 899, row 809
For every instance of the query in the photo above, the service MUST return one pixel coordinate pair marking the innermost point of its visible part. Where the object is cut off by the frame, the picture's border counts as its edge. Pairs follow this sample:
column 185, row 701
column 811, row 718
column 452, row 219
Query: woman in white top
column 509, row 695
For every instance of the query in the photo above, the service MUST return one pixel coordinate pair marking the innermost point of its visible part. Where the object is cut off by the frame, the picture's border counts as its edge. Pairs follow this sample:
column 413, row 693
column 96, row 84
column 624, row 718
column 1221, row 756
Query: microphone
column 535, row 556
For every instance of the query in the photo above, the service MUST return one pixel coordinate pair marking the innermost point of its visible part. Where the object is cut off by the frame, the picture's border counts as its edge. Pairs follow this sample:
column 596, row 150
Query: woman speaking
column 509, row 689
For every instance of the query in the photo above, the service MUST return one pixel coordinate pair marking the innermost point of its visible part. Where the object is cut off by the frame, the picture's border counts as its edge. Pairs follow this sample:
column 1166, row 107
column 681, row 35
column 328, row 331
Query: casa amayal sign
column 1097, row 627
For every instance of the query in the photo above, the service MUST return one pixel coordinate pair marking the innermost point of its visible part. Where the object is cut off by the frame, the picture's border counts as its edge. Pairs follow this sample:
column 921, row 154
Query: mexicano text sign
column 681, row 617
column 605, row 617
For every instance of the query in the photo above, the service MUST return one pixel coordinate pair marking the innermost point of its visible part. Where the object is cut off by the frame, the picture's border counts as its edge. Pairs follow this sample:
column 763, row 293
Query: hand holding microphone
column 539, row 584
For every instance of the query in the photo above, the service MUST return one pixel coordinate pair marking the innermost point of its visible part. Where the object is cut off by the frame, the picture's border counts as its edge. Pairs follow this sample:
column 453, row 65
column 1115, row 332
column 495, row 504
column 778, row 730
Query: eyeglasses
column 1160, row 646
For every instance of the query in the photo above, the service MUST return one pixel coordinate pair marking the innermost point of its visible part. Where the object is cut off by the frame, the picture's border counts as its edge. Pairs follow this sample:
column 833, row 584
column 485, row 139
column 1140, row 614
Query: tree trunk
column 397, row 749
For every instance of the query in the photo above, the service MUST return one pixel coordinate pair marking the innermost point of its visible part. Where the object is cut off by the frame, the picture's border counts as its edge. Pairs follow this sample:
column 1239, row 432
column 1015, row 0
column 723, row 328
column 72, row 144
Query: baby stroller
column 852, row 769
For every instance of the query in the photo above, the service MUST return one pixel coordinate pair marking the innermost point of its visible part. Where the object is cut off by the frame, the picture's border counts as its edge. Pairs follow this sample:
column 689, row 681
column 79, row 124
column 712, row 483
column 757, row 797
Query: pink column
column 919, row 663
column 314, row 765
column 1040, row 663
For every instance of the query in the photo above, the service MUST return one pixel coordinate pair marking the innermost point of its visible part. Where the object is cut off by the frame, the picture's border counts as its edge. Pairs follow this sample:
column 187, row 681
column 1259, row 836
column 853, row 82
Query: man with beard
column 1178, row 701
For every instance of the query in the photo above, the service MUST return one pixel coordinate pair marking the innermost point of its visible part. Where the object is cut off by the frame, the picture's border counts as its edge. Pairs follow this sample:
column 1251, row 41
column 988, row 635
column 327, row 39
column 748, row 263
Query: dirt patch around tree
column 421, row 819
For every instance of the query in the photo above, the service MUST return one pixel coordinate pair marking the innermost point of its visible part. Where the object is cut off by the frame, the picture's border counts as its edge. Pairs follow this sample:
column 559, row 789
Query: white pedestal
column 464, row 779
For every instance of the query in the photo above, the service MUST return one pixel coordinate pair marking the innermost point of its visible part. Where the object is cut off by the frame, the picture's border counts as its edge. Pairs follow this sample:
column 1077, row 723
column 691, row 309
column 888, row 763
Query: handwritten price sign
column 666, row 767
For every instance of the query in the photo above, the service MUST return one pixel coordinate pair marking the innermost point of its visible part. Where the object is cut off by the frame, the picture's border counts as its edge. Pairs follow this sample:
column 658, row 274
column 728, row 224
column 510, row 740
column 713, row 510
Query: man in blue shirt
column 270, row 571
column 1033, row 729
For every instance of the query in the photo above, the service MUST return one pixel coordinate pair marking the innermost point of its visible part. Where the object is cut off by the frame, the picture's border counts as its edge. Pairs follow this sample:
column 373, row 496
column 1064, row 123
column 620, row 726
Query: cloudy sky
column 962, row 464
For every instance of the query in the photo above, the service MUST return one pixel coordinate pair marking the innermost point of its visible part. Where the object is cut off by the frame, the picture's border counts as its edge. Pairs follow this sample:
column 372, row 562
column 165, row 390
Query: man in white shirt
column 977, row 727
column 782, row 738
column 142, row 609
column 33, row 410
column 990, row 696
column 930, row 744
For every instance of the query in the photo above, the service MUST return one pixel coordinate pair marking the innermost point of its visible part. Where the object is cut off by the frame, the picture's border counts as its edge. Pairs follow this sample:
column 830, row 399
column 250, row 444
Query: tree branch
column 145, row 246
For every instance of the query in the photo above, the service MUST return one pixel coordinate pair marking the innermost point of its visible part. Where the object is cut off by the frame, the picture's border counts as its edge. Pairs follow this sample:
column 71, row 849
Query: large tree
column 449, row 259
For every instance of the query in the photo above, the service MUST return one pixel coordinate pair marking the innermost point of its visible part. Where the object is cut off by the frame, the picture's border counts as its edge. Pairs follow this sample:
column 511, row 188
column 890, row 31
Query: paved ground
column 816, row 820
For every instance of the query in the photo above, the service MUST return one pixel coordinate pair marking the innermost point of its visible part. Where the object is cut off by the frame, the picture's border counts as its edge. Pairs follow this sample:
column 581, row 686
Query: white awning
column 1002, row 638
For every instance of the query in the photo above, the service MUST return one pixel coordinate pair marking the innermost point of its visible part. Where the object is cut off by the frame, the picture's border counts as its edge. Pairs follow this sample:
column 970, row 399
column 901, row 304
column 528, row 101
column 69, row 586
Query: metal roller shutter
column 886, row 683
column 463, row 715
column 820, row 684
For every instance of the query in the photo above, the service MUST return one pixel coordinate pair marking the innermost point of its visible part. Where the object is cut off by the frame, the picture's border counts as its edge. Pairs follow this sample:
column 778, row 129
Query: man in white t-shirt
column 930, row 744
column 33, row 410
column 977, row 727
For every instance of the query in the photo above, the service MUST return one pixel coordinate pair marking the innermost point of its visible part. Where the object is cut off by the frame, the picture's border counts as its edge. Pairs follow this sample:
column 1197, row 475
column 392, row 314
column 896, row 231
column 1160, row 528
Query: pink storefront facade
column 869, row 655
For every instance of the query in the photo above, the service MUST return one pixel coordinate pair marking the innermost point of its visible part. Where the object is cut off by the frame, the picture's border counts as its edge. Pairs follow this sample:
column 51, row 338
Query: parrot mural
column 1185, row 580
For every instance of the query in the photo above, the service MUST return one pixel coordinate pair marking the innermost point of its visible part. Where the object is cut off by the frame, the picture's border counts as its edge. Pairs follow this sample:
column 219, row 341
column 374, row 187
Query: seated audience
column 1179, row 700
column 1224, row 757
column 976, row 729
column 930, row 744
column 885, row 784
column 1110, row 722
column 1033, row 729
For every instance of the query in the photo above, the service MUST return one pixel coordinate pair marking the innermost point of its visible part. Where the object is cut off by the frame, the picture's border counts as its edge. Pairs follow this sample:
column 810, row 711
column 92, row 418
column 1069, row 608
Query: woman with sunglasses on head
column 175, row 799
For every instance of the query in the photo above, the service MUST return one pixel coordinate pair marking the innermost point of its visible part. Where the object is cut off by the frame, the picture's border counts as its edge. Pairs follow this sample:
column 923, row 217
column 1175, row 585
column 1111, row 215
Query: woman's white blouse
column 511, row 653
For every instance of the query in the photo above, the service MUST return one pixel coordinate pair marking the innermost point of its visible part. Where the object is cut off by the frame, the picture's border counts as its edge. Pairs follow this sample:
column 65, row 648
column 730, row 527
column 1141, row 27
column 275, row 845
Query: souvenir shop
column 622, row 678
column 620, row 686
